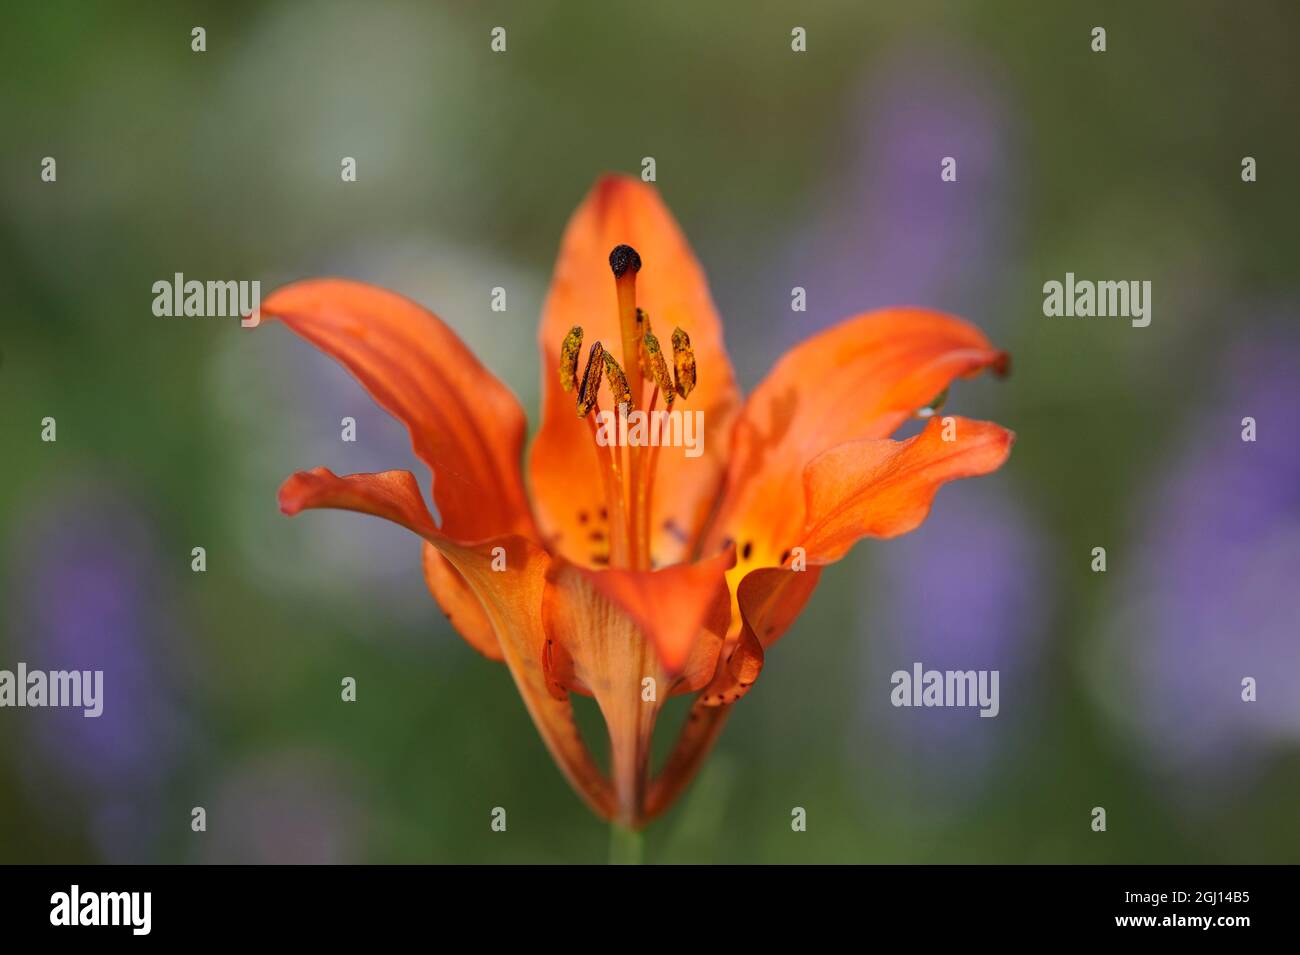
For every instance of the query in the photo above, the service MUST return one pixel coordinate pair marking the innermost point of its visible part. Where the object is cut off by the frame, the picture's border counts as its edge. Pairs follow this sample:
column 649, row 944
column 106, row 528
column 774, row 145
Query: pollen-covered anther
column 658, row 368
column 622, row 258
column 618, row 385
column 642, row 330
column 570, row 349
column 683, row 362
column 591, row 377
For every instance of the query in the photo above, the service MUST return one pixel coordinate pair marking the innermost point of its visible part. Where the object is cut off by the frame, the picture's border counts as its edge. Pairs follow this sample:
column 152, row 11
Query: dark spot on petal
column 746, row 550
column 671, row 527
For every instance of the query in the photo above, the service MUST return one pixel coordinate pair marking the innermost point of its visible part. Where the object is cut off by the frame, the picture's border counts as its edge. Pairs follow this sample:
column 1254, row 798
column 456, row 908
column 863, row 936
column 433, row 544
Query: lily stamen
column 618, row 385
column 612, row 480
column 643, row 330
column 683, row 362
column 590, row 387
column 611, row 471
column 656, row 368
column 570, row 350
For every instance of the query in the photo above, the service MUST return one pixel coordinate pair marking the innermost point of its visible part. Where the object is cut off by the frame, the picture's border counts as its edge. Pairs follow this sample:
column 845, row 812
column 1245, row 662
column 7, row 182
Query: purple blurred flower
column 292, row 808
column 1212, row 595
column 965, row 591
column 86, row 592
column 890, row 231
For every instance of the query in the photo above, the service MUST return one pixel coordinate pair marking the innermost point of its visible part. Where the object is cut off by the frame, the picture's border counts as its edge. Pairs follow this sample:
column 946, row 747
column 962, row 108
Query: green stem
column 625, row 845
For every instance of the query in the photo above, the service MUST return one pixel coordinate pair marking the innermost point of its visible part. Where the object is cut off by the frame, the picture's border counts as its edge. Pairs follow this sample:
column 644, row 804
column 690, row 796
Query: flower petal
column 602, row 630
column 459, row 603
column 703, row 725
column 671, row 286
column 464, row 424
column 883, row 488
column 392, row 495
column 670, row 605
column 612, row 657
column 507, row 574
column 873, row 487
column 769, row 599
column 861, row 379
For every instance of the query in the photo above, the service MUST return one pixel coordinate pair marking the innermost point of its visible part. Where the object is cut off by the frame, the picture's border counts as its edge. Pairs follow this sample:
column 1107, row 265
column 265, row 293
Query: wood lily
column 634, row 572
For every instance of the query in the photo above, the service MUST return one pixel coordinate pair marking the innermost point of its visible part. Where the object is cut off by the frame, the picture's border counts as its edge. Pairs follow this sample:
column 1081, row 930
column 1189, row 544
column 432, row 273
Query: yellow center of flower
column 627, row 471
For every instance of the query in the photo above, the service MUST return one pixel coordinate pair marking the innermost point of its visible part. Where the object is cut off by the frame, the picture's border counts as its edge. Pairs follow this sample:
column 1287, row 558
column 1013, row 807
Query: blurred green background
column 816, row 169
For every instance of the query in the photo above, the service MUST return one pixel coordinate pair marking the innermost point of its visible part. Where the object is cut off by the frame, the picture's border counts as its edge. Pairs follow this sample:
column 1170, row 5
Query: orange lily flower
column 634, row 572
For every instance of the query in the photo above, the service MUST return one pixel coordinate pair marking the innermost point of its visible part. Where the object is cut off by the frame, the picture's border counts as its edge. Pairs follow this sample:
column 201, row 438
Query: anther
column 569, row 351
column 590, row 387
column 618, row 385
column 642, row 330
column 657, row 368
column 683, row 362
column 623, row 257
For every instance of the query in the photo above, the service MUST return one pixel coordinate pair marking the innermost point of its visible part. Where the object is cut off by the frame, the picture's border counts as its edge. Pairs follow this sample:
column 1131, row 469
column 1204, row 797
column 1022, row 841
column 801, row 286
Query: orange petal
column 464, row 424
column 698, row 734
column 392, row 495
column 611, row 656
column 611, row 625
column 671, row 287
column 883, row 488
column 861, row 379
column 770, row 599
column 669, row 605
column 459, row 603
column 510, row 594
column 702, row 663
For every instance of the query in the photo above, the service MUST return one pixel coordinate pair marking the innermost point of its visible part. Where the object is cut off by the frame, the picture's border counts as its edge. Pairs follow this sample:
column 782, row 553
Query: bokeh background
column 820, row 170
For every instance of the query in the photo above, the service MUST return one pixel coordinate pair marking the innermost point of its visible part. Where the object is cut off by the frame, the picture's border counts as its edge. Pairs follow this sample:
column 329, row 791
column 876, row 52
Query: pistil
column 625, row 263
